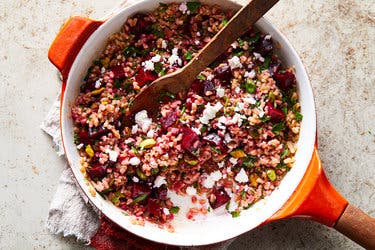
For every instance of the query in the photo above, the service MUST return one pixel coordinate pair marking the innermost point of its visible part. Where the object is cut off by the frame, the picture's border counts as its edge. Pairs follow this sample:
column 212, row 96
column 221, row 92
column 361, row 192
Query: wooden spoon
column 179, row 81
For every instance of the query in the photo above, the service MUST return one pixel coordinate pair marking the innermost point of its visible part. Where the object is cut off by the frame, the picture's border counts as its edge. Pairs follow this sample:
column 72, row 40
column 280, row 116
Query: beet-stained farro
column 229, row 143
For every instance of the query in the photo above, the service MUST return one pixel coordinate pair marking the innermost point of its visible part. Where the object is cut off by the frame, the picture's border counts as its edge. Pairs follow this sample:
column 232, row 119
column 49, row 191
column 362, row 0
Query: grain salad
column 228, row 144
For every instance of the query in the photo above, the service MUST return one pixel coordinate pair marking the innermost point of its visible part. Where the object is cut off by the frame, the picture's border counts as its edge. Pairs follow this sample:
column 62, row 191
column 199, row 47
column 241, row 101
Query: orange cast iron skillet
column 314, row 198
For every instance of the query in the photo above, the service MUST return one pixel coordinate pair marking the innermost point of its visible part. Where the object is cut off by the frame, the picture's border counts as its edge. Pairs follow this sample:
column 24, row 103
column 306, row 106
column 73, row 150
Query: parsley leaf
column 193, row 6
column 278, row 127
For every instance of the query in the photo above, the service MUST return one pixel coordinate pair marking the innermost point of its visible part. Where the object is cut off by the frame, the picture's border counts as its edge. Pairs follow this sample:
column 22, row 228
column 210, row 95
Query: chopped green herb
column 216, row 150
column 76, row 139
column 266, row 63
column 271, row 174
column 265, row 118
column 226, row 104
column 239, row 53
column 193, row 6
column 285, row 110
column 250, row 86
column 131, row 101
column 140, row 198
column 123, row 111
column 140, row 174
column 243, row 195
column 189, row 55
column 255, row 38
column 158, row 67
column 97, row 62
column 227, row 205
column 285, row 152
column 203, row 129
column 201, row 77
column 278, row 127
column 154, row 171
column 117, row 197
column 174, row 210
column 116, row 97
column 224, row 22
column 135, row 150
column 235, row 214
column 240, row 42
column 124, row 213
column 117, row 83
column 156, row 31
column 299, row 116
column 130, row 51
column 171, row 19
column 164, row 93
column 183, row 110
column 248, row 161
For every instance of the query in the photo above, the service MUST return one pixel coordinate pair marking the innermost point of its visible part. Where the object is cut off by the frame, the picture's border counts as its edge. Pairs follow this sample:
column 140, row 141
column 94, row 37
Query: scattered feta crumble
column 242, row 177
column 240, row 106
column 221, row 164
column 250, row 100
column 209, row 182
column 79, row 146
column 237, row 90
column 261, row 113
column 198, row 33
column 166, row 211
column 134, row 129
column 268, row 37
column 232, row 206
column 102, row 70
column 221, row 123
column 174, row 58
column 112, row 155
column 196, row 130
column 234, row 62
column 159, row 180
column 163, row 44
column 258, row 57
column 227, row 138
column 134, row 161
column 220, row 91
column 98, row 83
column 183, row 8
column 142, row 120
column 233, row 160
column 135, row 179
column 210, row 112
column 148, row 65
column 191, row 190
column 150, row 133
column 250, row 74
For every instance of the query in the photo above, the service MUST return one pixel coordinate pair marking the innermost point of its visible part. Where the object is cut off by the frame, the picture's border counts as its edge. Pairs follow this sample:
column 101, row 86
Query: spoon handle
column 238, row 24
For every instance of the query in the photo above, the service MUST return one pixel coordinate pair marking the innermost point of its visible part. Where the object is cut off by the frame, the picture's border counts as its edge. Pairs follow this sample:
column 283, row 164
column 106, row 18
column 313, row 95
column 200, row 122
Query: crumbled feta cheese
column 261, row 113
column 250, row 100
column 220, row 92
column 227, row 138
column 135, row 179
column 221, row 123
column 229, row 170
column 183, row 8
column 174, row 58
column 233, row 160
column 240, row 106
column 267, row 37
column 258, row 57
column 210, row 77
column 198, row 33
column 242, row 176
column 102, row 70
column 98, row 83
column 209, row 182
column 159, row 180
column 134, row 161
column 237, row 90
column 234, row 62
column 245, row 188
column 197, row 42
column 250, row 74
column 112, row 155
column 237, row 118
column 156, row 58
column 191, row 191
column 234, row 45
column 142, row 120
column 150, row 133
column 166, row 211
column 79, row 146
column 196, row 130
column 221, row 164
column 210, row 112
column 163, row 44
column 148, row 65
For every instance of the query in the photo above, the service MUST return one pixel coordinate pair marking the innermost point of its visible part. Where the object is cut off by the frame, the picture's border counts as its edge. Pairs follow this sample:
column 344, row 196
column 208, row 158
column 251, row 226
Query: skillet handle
column 69, row 41
column 358, row 226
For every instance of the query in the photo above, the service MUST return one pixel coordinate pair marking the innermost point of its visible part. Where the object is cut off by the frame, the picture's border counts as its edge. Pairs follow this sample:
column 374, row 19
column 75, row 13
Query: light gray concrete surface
column 335, row 40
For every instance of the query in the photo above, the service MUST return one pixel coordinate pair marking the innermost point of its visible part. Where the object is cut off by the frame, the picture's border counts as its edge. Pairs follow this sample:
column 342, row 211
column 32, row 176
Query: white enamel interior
column 219, row 226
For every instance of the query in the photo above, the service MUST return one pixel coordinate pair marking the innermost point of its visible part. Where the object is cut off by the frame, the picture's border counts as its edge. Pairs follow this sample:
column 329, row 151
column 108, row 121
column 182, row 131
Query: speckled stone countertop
column 335, row 40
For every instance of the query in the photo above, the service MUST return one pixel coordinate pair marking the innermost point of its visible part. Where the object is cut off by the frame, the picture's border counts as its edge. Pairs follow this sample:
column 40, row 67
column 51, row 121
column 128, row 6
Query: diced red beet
column 97, row 171
column 275, row 113
column 285, row 80
column 141, row 25
column 84, row 137
column 208, row 86
column 190, row 140
column 224, row 74
column 197, row 87
column 98, row 132
column 168, row 120
column 153, row 208
column 140, row 188
column 177, row 185
column 118, row 71
column 160, row 193
column 221, row 198
column 145, row 76
column 264, row 45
